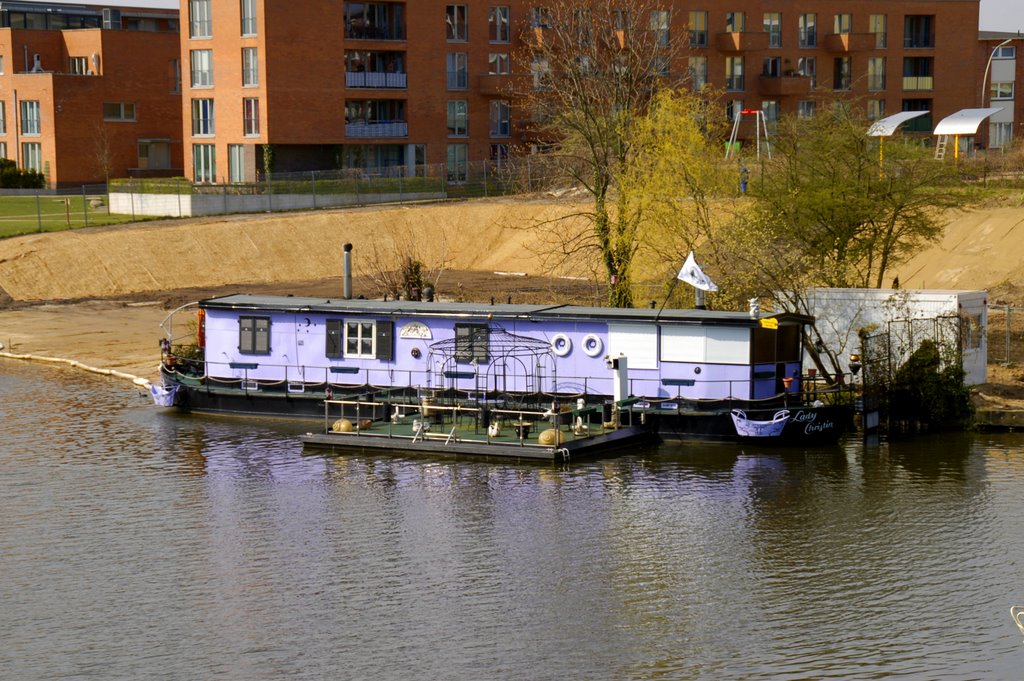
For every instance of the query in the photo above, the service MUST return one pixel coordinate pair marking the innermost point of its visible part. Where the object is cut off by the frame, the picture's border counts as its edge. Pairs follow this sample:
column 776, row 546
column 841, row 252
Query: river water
column 139, row 544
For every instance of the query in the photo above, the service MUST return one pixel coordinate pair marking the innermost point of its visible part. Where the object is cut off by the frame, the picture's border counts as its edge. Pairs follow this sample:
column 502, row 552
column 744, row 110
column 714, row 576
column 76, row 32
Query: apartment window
column 204, row 163
column 118, row 111
column 1001, row 90
column 250, row 67
column 918, row 31
column 659, row 23
column 458, row 163
column 698, row 29
column 32, row 156
column 202, row 117
column 254, row 335
column 876, row 73
column 805, row 108
column 30, row 123
column 842, row 23
column 455, row 22
column 917, row 73
column 734, row 73
column 999, row 135
column 202, row 68
column 876, row 25
column 808, row 66
column 78, row 66
column 841, row 70
column 501, row 125
column 471, row 342
column 1, row 64
column 808, row 25
column 540, row 17
column 698, row 68
column 770, row 108
column 583, row 27
column 458, row 118
column 922, row 123
column 3, row 118
column 541, row 71
column 174, row 74
column 1004, row 52
column 3, row 149
column 733, row 108
column 773, row 27
column 735, row 22
column 498, row 63
column 498, row 154
column 251, row 117
column 236, row 163
column 876, row 109
column 771, row 67
column 458, row 73
column 200, row 22
column 248, row 17
column 497, row 24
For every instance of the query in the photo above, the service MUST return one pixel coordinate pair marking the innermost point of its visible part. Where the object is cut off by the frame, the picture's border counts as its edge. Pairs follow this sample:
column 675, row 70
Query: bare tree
column 595, row 66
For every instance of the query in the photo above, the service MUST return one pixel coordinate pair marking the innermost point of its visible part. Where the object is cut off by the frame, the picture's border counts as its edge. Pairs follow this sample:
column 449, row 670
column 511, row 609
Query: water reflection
column 217, row 548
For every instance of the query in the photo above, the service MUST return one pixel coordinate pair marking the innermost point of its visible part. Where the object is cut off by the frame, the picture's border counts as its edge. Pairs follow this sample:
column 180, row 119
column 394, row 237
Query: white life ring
column 561, row 344
column 592, row 345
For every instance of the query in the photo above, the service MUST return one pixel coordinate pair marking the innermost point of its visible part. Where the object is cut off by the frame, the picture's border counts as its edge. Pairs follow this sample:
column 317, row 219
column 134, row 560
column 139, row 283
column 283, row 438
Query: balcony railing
column 384, row 129
column 783, row 85
column 918, row 82
column 374, row 33
column 375, row 79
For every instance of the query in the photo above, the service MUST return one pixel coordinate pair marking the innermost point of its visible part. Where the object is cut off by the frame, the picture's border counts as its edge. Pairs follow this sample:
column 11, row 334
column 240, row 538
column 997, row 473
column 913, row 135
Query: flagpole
column 667, row 296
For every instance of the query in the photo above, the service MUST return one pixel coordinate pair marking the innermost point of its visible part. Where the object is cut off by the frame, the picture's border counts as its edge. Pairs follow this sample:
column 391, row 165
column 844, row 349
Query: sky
column 996, row 15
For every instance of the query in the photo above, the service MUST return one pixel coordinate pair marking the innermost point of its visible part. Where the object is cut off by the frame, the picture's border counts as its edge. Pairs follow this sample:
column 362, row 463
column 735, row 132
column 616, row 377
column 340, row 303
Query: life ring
column 561, row 344
column 592, row 345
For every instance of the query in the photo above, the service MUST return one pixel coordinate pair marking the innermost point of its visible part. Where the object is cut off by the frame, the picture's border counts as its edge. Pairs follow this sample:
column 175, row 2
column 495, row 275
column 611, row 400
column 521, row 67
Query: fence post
column 529, row 175
column 178, row 194
column 270, row 194
column 224, row 194
column 85, row 206
column 131, row 197
column 401, row 176
column 39, row 212
column 1009, row 325
column 485, row 178
column 312, row 176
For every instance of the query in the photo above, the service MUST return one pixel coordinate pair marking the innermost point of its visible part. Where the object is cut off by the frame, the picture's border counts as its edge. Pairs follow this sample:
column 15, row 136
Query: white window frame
column 498, row 64
column 236, row 163
column 457, row 69
column 78, row 66
column 31, row 121
column 1001, row 90
column 32, row 156
column 248, row 10
column 458, row 118
column 456, row 18
column 201, row 62
column 204, row 163
column 361, row 327
column 200, row 19
column 457, row 163
column 501, row 118
column 3, row 118
column 1004, row 52
column 250, row 67
column 498, row 24
column 203, row 121
column 251, row 116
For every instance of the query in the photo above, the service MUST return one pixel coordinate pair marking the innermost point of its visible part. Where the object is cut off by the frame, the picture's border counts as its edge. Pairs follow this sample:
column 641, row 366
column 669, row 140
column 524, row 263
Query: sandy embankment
column 981, row 249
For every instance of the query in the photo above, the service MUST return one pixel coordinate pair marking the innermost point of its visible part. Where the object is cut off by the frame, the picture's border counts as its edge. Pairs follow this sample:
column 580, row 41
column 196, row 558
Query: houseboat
column 689, row 373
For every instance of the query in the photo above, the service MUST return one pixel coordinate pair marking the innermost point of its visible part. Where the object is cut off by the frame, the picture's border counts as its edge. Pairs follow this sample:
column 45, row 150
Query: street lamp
column 988, row 66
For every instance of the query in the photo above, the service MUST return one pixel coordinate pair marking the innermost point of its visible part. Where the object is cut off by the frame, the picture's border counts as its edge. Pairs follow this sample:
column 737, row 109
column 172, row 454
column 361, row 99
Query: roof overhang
column 885, row 127
column 965, row 121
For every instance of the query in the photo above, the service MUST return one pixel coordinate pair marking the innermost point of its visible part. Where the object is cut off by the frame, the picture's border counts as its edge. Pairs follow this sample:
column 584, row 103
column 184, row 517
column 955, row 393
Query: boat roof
column 483, row 311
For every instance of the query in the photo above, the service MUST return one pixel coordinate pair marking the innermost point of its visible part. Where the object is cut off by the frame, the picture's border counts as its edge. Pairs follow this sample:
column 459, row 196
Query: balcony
column 841, row 43
column 780, row 86
column 362, row 130
column 742, row 42
column 918, row 82
column 375, row 79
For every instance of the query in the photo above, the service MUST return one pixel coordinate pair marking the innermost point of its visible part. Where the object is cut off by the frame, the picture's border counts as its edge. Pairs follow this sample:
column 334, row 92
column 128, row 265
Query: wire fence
column 27, row 211
column 1005, row 334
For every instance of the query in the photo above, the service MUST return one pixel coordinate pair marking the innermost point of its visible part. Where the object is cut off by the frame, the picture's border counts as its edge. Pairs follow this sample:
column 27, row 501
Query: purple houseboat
column 692, row 373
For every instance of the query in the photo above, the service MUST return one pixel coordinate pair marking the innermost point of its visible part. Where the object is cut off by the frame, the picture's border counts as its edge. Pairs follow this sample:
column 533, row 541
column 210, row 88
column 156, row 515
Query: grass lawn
column 28, row 215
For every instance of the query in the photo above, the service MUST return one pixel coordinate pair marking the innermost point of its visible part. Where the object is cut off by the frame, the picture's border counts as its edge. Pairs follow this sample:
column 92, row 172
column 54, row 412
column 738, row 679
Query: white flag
column 692, row 275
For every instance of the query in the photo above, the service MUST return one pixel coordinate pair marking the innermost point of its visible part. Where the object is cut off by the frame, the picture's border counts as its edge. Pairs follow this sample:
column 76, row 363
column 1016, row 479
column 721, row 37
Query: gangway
column 760, row 127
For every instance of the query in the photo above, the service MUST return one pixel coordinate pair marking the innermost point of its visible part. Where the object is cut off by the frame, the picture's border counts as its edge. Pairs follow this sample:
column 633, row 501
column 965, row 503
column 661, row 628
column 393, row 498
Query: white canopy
column 885, row 127
column 965, row 121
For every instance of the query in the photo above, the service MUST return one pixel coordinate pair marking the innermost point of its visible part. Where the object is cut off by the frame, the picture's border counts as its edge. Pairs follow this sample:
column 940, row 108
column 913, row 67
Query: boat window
column 254, row 335
column 471, row 341
column 359, row 338
column 334, row 338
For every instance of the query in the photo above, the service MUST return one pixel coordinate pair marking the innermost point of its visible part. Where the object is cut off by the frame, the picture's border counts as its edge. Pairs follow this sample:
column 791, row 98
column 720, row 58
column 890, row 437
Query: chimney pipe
column 347, row 277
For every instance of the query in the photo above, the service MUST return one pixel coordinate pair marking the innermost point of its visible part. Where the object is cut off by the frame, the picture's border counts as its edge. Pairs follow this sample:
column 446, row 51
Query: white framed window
column 32, row 156
column 458, row 163
column 119, row 111
column 458, row 118
column 808, row 66
column 1, row 64
column 3, row 118
column 78, row 66
column 877, row 25
column 202, row 117
column 30, row 121
column 660, row 21
column 472, row 341
column 360, row 339
column 698, row 68
column 770, row 108
column 455, row 23
column 498, row 26
column 250, row 67
column 200, row 21
column 842, row 23
column 204, row 163
column 251, row 117
column 773, row 27
column 498, row 63
column 3, row 149
column 1001, row 90
column 248, row 17
column 808, row 30
column 876, row 109
column 501, row 124
column 876, row 73
column 698, row 29
column 1004, row 52
column 458, row 71
column 805, row 108
column 1000, row 135
column 202, row 68
column 735, row 22
column 236, row 163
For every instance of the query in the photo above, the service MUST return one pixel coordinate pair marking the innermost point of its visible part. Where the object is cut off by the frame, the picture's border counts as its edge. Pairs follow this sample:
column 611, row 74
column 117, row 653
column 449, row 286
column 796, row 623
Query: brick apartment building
column 88, row 92
column 347, row 84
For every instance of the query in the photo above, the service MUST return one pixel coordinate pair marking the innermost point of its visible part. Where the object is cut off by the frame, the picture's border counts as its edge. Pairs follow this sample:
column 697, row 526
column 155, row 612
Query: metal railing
column 1005, row 334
